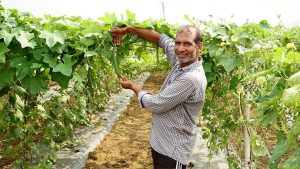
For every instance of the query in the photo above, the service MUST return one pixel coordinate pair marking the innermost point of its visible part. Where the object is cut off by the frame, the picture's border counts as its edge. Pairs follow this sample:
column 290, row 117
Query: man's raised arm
column 147, row 34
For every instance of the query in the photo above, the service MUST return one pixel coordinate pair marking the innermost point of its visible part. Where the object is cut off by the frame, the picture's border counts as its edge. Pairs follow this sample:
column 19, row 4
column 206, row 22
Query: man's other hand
column 126, row 84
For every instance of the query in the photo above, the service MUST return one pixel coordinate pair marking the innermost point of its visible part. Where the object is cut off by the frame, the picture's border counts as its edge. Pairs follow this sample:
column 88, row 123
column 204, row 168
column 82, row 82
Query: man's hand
column 117, row 34
column 127, row 84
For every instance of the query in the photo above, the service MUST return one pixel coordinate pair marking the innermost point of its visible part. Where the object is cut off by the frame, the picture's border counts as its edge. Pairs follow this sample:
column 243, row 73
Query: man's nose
column 181, row 48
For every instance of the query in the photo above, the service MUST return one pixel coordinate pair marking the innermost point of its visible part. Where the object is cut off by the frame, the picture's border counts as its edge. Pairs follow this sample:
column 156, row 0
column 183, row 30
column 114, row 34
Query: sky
column 238, row 11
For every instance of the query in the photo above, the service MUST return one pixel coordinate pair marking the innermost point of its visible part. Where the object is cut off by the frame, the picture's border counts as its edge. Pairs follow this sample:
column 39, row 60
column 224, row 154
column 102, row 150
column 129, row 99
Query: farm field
column 56, row 72
column 127, row 145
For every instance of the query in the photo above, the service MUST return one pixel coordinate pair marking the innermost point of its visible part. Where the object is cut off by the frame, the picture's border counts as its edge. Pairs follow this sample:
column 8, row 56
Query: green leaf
column 292, row 57
column 58, row 48
column 109, row 18
column 3, row 50
column 294, row 79
column 165, row 29
column 228, row 62
column 280, row 149
column 35, row 65
column 34, row 85
column 17, row 61
column 273, row 96
column 130, row 15
column 19, row 104
column 18, row 89
column 78, row 77
column 187, row 18
column 91, row 28
column 7, row 36
column 234, row 82
column 17, row 133
column 38, row 53
column 90, row 53
column 147, row 24
column 293, row 162
column 61, row 79
column 257, row 145
column 25, row 39
column 53, row 18
column 207, row 67
column 48, row 58
column 269, row 117
column 213, row 50
column 264, row 24
column 280, row 135
column 66, row 67
column 241, row 49
column 22, row 67
column 291, row 96
column 19, row 115
column 23, row 70
column 87, row 41
column 294, row 133
column 3, row 91
column 139, row 52
column 258, row 74
column 52, row 157
column 52, row 38
column 7, row 76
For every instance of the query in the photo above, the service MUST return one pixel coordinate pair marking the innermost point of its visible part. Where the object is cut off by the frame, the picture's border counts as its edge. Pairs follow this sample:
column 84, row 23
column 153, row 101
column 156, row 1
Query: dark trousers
column 164, row 162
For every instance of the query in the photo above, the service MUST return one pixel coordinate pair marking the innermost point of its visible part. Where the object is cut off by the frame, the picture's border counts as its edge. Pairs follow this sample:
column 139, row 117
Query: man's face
column 185, row 48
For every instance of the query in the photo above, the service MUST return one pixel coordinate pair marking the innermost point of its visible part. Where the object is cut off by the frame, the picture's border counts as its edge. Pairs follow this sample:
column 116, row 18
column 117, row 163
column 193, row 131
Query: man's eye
column 187, row 44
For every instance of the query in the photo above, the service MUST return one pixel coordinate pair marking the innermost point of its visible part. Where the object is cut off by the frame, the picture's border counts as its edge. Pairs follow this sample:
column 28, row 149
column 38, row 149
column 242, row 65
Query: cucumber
column 115, row 62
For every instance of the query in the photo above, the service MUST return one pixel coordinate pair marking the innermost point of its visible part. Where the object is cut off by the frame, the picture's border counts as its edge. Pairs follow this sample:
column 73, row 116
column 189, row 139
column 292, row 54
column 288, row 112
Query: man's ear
column 199, row 45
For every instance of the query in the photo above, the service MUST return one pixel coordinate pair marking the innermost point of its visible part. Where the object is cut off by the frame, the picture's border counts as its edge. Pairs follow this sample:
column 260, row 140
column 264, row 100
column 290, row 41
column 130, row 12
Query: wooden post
column 246, row 134
column 163, row 9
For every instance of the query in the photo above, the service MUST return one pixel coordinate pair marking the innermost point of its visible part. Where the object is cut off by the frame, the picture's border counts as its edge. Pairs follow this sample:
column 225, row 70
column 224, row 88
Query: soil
column 127, row 145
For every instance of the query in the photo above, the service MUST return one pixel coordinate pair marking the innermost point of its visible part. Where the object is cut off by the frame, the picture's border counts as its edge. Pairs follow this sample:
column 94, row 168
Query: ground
column 127, row 145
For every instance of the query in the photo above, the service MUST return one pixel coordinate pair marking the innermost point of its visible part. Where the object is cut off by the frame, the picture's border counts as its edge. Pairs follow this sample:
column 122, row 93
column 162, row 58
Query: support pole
column 246, row 134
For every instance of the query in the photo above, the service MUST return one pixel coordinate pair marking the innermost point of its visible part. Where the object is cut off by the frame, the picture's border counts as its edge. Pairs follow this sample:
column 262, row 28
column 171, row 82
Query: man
column 181, row 97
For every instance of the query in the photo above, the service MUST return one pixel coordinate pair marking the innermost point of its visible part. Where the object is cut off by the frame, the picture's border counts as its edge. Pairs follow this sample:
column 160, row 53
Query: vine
column 57, row 71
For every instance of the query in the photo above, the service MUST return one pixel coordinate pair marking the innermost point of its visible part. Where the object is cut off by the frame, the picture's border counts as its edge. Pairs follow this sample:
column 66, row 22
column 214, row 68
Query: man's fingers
column 123, row 79
column 117, row 41
column 117, row 35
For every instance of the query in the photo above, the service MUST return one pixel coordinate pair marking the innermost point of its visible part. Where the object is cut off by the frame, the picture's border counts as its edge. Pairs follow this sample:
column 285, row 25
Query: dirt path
column 127, row 145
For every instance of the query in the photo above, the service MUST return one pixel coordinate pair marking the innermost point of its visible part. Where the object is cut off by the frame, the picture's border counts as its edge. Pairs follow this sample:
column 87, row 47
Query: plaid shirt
column 175, row 108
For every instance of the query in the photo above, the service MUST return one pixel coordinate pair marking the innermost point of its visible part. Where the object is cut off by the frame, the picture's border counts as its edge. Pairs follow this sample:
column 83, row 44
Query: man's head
column 188, row 45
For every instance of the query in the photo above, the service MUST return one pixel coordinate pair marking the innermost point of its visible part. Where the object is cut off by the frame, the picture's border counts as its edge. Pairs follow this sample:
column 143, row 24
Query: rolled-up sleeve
column 140, row 97
column 167, row 44
column 177, row 92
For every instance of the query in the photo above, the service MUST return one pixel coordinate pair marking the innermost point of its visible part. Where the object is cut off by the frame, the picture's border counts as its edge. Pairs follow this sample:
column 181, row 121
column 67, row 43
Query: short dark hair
column 198, row 36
